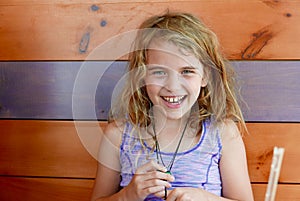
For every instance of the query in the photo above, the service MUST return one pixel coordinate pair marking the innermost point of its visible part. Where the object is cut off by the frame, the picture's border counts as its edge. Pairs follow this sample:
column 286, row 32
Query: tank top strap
column 126, row 138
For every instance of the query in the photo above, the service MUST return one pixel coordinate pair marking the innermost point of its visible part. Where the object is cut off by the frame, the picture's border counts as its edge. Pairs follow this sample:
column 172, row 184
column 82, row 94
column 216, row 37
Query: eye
column 158, row 73
column 188, row 71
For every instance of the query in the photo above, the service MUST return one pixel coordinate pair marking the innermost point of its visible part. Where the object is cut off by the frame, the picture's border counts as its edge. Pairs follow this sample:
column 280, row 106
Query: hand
column 148, row 179
column 187, row 194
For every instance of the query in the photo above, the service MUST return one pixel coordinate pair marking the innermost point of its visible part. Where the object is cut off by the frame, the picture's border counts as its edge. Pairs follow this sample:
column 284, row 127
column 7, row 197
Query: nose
column 173, row 82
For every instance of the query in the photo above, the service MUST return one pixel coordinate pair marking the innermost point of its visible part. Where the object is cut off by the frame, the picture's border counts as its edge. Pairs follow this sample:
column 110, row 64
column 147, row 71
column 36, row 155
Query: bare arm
column 108, row 172
column 233, row 165
column 147, row 180
column 106, row 185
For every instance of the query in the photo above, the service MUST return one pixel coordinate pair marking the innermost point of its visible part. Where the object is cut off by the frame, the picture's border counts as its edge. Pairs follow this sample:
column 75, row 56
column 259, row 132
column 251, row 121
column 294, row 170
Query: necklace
column 158, row 152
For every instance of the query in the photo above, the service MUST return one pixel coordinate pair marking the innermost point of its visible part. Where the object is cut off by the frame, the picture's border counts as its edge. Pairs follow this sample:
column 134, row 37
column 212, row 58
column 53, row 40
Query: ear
column 204, row 81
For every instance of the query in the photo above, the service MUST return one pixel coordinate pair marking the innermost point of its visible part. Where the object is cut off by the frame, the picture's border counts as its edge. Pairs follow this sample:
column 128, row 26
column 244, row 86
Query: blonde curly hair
column 217, row 100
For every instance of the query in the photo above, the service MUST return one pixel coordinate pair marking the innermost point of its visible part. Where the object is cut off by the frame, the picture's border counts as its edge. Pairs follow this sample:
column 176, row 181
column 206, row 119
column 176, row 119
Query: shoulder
column 114, row 131
column 233, row 164
column 229, row 135
column 109, row 147
column 232, row 144
column 226, row 130
column 229, row 131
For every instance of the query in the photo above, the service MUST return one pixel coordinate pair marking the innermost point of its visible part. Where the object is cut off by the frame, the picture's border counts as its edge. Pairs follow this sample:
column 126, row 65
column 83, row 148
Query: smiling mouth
column 173, row 99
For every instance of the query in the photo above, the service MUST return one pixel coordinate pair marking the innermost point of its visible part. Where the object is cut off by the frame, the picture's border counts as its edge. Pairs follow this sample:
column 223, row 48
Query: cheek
column 194, row 88
column 195, row 94
column 152, row 91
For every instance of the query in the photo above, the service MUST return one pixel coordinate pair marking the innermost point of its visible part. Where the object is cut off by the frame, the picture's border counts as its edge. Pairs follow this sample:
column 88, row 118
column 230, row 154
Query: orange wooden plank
column 48, row 148
column 58, row 189
column 59, row 149
column 259, row 145
column 285, row 192
column 29, row 33
column 46, row 189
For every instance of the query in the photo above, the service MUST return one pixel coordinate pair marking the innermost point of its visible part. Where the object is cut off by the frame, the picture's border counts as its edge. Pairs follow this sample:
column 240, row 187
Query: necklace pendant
column 168, row 172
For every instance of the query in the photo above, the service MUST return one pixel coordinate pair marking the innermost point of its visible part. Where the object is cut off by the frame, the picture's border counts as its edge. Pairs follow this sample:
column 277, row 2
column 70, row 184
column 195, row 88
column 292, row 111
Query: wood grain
column 56, row 159
column 36, row 189
column 285, row 192
column 49, row 189
column 65, row 149
column 83, row 90
column 259, row 144
column 49, row 148
column 44, row 90
column 72, row 30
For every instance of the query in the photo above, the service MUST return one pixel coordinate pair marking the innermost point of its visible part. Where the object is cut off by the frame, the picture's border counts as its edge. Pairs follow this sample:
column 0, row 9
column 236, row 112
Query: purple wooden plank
column 68, row 90
column 44, row 90
column 36, row 89
column 270, row 89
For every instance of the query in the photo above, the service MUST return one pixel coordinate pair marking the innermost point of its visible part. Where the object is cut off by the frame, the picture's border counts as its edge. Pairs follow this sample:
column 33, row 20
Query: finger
column 164, row 176
column 150, row 166
column 158, row 175
column 154, row 190
column 162, row 194
column 171, row 195
column 156, row 182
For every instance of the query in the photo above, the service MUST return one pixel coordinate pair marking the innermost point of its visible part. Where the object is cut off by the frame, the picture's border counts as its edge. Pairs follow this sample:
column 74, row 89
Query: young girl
column 173, row 133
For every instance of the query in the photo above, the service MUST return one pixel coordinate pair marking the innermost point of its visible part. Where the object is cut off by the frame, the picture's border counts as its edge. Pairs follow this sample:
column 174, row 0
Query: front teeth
column 175, row 99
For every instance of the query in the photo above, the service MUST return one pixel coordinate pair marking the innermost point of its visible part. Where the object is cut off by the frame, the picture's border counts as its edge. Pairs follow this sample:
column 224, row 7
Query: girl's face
column 174, row 78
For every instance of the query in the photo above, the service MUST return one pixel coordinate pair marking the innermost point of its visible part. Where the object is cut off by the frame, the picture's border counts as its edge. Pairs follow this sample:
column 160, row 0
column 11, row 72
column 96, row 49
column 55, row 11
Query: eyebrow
column 154, row 67
column 189, row 67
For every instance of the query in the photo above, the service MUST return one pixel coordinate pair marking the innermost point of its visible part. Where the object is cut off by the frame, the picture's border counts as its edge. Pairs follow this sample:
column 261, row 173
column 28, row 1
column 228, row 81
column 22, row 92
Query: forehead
column 168, row 54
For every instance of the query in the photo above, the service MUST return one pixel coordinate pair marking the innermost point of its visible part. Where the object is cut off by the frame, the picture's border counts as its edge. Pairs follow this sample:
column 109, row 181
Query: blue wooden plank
column 83, row 90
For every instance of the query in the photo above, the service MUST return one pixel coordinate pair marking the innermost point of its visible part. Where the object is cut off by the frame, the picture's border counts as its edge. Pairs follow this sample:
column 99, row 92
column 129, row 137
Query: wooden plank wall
column 53, row 54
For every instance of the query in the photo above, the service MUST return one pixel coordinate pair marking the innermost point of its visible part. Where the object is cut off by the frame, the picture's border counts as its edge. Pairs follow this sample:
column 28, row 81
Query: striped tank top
column 197, row 167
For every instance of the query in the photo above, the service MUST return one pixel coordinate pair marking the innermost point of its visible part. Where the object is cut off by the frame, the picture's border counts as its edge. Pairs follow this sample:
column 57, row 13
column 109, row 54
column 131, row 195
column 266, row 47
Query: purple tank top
column 197, row 167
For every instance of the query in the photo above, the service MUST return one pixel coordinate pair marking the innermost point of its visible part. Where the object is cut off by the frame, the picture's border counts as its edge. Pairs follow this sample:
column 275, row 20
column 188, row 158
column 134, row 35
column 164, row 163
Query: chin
column 176, row 115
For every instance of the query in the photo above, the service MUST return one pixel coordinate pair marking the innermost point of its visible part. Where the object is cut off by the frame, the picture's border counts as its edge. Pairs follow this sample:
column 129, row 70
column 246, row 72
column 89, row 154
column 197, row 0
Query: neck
column 169, row 131
column 165, row 135
column 164, row 124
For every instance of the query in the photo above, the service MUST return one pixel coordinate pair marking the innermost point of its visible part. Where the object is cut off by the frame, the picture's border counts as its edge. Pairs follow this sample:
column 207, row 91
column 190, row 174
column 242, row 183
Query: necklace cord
column 158, row 152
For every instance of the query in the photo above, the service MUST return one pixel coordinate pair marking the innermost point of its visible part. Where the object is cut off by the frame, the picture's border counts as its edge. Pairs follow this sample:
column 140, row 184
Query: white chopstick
column 274, row 174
